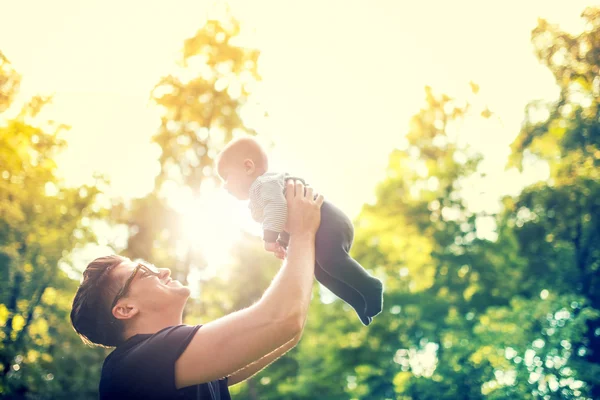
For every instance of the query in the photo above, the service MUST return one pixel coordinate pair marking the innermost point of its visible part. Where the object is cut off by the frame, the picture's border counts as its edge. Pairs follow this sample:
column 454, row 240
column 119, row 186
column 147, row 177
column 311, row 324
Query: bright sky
column 340, row 79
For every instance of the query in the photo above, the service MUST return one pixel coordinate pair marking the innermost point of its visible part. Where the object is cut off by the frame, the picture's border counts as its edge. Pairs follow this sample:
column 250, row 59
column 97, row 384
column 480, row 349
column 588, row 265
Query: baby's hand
column 280, row 252
column 276, row 249
column 271, row 246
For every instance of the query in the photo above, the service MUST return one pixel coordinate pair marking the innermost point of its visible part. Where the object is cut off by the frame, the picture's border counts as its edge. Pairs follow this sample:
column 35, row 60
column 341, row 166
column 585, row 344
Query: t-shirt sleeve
column 149, row 368
column 275, row 210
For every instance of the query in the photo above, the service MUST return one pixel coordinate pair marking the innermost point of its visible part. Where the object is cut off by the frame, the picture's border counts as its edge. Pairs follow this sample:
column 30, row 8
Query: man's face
column 149, row 292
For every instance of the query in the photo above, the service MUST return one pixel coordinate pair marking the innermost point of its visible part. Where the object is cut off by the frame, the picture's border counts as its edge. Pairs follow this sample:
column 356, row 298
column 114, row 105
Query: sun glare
column 213, row 221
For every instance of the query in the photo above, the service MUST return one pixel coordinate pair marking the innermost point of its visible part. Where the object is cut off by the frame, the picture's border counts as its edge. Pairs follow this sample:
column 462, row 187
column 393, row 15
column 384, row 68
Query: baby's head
column 239, row 164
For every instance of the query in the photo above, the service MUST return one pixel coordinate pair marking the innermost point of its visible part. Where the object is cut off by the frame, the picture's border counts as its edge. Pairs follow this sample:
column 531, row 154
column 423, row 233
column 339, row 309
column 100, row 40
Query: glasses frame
column 151, row 269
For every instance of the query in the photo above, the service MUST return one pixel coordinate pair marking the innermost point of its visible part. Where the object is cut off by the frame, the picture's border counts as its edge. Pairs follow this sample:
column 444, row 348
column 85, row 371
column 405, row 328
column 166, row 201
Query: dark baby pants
column 340, row 273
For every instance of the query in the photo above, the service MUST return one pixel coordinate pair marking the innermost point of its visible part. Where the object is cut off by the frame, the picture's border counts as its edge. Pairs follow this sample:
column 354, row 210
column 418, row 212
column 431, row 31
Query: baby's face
column 236, row 180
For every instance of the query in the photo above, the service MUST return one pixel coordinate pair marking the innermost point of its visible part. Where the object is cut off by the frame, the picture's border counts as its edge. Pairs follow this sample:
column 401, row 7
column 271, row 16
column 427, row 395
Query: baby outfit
column 334, row 268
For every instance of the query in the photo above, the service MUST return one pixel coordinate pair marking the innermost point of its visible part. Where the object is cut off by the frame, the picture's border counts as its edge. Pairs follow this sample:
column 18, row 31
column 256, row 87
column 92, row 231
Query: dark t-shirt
column 144, row 368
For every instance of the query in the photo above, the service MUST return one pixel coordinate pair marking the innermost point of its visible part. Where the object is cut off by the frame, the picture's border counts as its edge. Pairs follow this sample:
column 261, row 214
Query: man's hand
column 304, row 209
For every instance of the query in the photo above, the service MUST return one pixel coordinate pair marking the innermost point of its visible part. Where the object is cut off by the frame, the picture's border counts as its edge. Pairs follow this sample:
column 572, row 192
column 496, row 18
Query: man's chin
column 186, row 291
column 179, row 287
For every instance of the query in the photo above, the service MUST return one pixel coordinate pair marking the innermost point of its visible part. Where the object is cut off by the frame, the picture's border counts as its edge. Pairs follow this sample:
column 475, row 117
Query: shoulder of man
column 145, row 360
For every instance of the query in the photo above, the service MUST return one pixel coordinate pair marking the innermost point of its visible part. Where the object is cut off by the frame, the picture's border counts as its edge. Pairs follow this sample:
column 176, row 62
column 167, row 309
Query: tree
column 421, row 239
column 41, row 222
column 439, row 272
column 201, row 107
column 557, row 223
column 9, row 83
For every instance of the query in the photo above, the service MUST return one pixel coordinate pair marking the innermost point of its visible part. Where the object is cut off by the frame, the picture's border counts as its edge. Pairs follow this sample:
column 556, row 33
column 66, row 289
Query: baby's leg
column 344, row 292
column 333, row 241
column 351, row 274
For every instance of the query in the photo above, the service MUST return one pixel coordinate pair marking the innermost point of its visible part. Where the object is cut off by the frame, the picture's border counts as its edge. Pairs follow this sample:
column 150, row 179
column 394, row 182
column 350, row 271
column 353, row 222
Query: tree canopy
column 477, row 304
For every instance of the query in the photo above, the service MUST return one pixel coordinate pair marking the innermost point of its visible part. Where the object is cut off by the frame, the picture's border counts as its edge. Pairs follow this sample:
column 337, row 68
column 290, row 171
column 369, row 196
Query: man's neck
column 151, row 326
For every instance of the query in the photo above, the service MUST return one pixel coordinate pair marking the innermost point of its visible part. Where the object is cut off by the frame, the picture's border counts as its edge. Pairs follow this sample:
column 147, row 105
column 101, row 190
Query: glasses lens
column 151, row 267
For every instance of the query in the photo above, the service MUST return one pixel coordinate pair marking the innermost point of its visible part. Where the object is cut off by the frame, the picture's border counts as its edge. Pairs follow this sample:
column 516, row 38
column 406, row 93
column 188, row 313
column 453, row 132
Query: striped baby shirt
column 267, row 203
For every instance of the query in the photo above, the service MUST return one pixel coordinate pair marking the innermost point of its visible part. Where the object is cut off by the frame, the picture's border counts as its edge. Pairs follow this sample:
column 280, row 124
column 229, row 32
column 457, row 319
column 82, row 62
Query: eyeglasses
column 146, row 268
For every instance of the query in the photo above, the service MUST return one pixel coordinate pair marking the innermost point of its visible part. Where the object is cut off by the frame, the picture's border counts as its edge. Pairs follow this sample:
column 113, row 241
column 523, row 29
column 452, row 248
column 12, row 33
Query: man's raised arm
column 226, row 345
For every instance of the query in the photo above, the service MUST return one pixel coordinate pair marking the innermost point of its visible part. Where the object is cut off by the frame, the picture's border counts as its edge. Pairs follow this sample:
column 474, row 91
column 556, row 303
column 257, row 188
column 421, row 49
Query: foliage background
column 495, row 305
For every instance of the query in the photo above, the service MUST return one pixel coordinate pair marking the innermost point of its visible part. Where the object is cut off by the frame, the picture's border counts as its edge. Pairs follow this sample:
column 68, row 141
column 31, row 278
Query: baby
column 244, row 168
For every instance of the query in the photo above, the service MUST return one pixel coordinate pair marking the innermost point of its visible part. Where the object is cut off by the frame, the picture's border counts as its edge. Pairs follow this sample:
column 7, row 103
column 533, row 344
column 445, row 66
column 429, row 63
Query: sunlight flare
column 212, row 221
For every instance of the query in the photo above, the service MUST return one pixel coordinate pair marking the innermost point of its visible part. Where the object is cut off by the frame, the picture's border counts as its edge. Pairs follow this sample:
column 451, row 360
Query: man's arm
column 257, row 366
column 298, row 199
column 230, row 343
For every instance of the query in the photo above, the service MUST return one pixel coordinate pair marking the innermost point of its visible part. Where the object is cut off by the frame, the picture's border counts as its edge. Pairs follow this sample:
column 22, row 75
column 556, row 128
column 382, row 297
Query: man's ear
column 249, row 166
column 124, row 311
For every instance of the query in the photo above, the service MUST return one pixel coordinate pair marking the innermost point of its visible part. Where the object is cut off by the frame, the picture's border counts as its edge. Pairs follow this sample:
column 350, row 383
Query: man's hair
column 243, row 148
column 91, row 315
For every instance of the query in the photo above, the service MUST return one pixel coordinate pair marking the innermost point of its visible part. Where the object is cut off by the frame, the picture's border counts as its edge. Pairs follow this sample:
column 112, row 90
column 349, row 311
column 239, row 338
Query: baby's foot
column 374, row 299
column 365, row 320
column 357, row 301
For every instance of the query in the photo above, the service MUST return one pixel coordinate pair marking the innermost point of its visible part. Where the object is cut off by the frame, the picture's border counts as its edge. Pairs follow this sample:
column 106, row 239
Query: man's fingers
column 299, row 189
column 319, row 200
column 289, row 190
column 309, row 193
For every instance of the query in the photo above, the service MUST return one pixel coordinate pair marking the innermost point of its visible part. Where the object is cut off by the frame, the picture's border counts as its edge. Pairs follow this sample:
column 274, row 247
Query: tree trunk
column 7, row 353
column 34, row 303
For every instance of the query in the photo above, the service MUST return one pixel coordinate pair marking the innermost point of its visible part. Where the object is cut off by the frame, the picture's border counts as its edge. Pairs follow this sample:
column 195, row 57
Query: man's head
column 118, row 296
column 239, row 164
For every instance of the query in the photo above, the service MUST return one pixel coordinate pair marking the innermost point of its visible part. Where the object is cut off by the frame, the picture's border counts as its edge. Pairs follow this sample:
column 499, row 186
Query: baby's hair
column 243, row 148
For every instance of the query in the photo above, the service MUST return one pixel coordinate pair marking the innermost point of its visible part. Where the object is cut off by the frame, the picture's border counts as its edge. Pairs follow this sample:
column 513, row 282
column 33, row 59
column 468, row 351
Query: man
column 138, row 309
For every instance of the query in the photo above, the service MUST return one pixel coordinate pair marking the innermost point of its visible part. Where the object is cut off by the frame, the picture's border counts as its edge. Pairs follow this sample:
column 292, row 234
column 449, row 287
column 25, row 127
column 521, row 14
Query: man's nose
column 165, row 273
